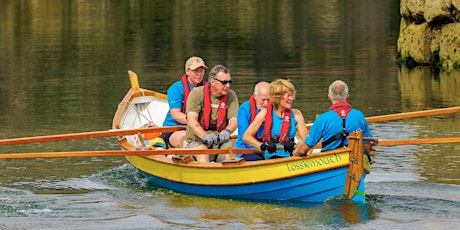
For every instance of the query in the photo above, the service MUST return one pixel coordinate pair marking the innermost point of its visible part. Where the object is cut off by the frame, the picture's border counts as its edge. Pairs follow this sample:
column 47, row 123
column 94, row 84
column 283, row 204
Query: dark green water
column 63, row 69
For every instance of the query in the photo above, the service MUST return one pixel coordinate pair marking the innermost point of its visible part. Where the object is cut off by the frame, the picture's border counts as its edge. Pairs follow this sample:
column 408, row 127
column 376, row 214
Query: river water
column 64, row 69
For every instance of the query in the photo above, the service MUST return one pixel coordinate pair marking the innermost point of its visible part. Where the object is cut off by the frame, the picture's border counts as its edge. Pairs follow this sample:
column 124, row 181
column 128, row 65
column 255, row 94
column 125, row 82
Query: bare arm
column 248, row 136
column 302, row 149
column 192, row 122
column 178, row 115
column 301, row 127
column 232, row 124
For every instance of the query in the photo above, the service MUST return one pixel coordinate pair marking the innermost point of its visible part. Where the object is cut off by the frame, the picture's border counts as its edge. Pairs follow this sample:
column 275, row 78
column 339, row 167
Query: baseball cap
column 194, row 62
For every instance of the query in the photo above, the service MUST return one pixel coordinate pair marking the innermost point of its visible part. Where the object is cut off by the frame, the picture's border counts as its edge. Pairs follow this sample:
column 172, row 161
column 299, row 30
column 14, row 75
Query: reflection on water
column 421, row 90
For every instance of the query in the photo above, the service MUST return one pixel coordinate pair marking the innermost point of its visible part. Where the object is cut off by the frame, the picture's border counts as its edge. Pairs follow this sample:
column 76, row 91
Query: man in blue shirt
column 177, row 100
column 334, row 125
column 247, row 112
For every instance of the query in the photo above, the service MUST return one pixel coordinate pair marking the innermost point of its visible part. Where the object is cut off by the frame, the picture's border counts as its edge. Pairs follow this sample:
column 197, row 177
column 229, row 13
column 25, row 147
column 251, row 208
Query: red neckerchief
column 284, row 134
column 184, row 80
column 342, row 108
column 253, row 107
column 221, row 110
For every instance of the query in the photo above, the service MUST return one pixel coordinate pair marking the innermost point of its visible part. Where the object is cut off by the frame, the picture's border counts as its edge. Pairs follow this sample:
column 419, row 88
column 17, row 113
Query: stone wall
column 430, row 33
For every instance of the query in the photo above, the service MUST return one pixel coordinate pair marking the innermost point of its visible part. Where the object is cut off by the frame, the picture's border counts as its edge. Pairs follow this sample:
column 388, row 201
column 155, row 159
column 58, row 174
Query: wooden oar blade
column 419, row 141
column 109, row 153
column 95, row 134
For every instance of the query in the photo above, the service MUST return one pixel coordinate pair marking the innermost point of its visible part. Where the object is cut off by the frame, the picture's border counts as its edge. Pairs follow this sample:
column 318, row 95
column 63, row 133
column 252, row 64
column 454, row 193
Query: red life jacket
column 253, row 107
column 205, row 120
column 342, row 108
column 284, row 134
column 187, row 90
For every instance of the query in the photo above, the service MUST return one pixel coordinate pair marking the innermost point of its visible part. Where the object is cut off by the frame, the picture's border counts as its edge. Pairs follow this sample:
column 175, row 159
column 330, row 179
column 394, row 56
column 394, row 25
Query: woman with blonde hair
column 281, row 122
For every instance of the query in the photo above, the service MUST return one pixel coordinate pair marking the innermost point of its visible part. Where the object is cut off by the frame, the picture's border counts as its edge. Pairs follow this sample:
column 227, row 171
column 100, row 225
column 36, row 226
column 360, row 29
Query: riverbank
column 429, row 34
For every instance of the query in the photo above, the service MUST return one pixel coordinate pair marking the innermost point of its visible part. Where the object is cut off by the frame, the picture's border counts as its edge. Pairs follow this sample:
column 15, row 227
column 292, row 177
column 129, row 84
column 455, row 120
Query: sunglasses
column 224, row 82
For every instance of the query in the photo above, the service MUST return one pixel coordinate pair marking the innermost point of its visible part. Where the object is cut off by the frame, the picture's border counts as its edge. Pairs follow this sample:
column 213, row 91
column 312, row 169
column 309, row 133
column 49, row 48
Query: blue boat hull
column 316, row 187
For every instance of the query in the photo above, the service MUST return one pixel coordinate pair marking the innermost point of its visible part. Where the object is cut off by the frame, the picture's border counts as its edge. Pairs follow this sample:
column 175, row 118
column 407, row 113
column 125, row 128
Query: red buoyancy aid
column 184, row 80
column 205, row 120
column 284, row 134
column 253, row 107
column 342, row 108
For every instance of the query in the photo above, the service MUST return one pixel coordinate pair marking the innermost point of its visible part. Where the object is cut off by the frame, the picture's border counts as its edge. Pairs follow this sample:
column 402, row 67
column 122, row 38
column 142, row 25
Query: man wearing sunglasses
column 211, row 114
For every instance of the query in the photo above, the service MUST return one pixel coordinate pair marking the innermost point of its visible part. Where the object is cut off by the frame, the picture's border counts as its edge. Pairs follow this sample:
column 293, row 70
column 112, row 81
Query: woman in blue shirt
column 280, row 121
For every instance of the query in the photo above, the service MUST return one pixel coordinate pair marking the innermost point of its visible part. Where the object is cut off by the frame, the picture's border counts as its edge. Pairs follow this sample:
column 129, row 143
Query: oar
column 419, row 141
column 111, row 153
column 399, row 116
column 94, row 134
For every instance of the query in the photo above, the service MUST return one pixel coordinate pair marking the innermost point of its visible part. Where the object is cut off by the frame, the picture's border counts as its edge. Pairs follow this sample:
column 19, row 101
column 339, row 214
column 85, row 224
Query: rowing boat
column 314, row 178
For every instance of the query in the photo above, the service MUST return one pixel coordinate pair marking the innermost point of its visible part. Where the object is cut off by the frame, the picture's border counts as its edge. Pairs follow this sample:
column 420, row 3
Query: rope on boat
column 147, row 117
column 147, row 108
column 138, row 113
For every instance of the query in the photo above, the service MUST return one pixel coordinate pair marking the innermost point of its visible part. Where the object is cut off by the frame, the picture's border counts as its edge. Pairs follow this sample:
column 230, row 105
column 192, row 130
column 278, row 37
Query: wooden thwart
column 95, row 134
column 108, row 153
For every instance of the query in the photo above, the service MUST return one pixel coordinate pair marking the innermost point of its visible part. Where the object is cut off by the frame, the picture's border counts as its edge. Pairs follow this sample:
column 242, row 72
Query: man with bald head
column 247, row 112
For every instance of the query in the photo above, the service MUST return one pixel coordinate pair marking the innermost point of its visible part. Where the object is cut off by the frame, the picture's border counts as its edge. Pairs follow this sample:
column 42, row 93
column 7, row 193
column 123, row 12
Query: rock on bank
column 430, row 33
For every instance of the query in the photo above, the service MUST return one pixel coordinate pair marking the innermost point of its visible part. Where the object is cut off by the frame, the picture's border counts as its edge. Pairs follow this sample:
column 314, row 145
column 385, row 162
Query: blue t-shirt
column 175, row 101
column 329, row 123
column 244, row 118
column 276, row 131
